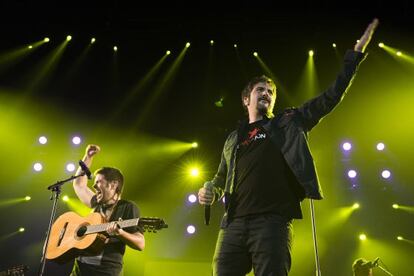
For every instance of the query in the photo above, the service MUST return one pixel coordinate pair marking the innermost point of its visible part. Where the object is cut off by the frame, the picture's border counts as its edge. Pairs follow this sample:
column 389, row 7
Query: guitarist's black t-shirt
column 109, row 262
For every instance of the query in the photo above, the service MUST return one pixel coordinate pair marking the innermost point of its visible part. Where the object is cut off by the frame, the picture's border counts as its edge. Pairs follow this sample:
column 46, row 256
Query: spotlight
column 191, row 229
column 37, row 167
column 69, row 38
column 386, row 174
column 400, row 238
column 46, row 39
column 235, row 45
column 347, row 146
column 334, row 45
column 399, row 53
column 70, row 167
column 42, row 140
column 65, row 198
column 311, row 53
column 362, row 237
column 27, row 198
column 192, row 198
column 211, row 42
column 194, row 145
column 352, row 173
column 115, row 48
column 187, row 44
column 21, row 229
column 93, row 40
column 76, row 140
column 380, row 146
column 255, row 54
column 381, row 45
column 194, row 172
column 30, row 47
column 395, row 206
column 355, row 206
column 168, row 52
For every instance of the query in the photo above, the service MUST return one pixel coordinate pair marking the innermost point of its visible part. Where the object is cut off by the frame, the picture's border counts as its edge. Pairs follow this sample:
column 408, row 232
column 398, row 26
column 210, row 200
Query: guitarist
column 106, row 200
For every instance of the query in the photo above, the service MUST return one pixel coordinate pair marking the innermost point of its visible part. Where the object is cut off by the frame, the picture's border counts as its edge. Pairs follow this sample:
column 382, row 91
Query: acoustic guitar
column 72, row 235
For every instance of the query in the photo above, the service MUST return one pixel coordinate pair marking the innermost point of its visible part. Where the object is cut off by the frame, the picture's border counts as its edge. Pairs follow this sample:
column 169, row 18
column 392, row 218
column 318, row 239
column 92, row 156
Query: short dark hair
column 112, row 174
column 255, row 80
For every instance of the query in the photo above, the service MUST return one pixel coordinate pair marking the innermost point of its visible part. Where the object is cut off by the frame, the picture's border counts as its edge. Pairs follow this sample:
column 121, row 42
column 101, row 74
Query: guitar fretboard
column 102, row 227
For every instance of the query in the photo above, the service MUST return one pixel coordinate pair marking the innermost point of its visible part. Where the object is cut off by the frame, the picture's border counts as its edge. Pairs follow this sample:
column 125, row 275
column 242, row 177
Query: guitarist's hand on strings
column 113, row 229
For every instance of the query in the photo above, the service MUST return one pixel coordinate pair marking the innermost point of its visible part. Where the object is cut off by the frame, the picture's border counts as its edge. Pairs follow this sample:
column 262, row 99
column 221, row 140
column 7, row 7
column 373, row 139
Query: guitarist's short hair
column 112, row 174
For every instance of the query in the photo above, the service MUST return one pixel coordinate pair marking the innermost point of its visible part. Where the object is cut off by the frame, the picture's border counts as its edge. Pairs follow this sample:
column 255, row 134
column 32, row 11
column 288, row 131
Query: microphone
column 208, row 186
column 85, row 169
column 375, row 262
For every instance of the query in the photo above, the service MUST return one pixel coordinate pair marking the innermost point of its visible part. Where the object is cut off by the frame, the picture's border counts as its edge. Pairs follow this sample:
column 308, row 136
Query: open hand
column 366, row 37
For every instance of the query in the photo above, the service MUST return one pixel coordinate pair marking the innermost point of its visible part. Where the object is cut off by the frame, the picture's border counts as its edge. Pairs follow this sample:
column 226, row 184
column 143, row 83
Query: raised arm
column 315, row 109
column 80, row 184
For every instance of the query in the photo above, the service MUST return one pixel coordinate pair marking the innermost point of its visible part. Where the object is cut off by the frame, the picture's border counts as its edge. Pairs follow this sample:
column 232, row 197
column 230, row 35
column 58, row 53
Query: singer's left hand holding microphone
column 205, row 196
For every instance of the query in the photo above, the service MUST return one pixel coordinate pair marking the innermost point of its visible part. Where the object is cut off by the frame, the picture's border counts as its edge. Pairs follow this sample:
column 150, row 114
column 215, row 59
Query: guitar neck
column 91, row 229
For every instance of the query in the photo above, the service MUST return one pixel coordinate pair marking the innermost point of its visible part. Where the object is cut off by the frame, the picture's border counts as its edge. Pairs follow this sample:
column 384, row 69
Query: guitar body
column 66, row 241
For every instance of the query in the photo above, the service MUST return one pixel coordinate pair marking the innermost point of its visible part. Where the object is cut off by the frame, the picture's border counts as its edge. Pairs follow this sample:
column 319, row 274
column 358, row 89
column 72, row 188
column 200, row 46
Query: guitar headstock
column 152, row 224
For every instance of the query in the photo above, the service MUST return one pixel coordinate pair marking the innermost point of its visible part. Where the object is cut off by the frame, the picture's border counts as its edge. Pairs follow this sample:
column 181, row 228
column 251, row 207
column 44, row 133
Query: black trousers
column 262, row 242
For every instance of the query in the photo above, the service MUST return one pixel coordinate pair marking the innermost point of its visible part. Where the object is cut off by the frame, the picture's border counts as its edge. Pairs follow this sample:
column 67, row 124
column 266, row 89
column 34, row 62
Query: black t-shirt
column 264, row 182
column 110, row 259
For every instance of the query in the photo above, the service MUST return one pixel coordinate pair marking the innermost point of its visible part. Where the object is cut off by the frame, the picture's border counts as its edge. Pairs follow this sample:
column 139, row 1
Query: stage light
column 69, row 38
column 211, row 42
column 395, row 206
column 381, row 45
column 357, row 41
column 194, row 145
column 235, row 45
column 194, row 172
column 93, row 40
column 400, row 238
column 187, row 44
column 220, row 102
column 76, row 140
column 334, row 45
column 380, row 146
column 42, row 140
column 192, row 198
column 386, row 174
column 347, row 146
column 362, row 237
column 37, row 167
column 191, row 229
column 65, row 198
column 311, row 53
column 168, row 52
column 27, row 198
column 352, row 173
column 115, row 48
column 21, row 229
column 255, row 54
column 46, row 39
column 399, row 53
column 30, row 47
column 355, row 206
column 70, row 167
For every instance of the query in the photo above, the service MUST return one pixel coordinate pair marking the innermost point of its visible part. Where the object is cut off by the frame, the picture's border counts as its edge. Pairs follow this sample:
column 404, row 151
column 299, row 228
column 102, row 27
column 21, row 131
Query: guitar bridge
column 62, row 233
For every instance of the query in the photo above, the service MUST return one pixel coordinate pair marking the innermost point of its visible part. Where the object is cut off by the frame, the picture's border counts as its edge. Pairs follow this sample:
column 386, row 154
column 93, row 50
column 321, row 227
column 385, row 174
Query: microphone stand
column 56, row 189
column 386, row 271
column 315, row 242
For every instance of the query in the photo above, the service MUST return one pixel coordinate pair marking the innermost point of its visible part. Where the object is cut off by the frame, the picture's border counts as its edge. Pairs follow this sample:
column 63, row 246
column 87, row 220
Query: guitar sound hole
column 81, row 231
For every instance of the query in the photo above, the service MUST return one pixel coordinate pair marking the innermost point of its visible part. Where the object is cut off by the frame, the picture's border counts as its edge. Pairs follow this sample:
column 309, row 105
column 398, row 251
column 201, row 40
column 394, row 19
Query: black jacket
column 288, row 130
